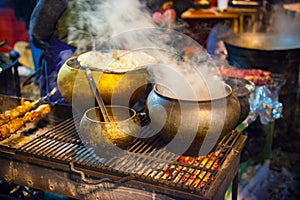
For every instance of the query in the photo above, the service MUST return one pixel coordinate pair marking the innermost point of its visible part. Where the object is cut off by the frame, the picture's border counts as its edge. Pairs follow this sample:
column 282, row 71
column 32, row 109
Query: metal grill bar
column 69, row 153
column 59, row 144
column 145, row 159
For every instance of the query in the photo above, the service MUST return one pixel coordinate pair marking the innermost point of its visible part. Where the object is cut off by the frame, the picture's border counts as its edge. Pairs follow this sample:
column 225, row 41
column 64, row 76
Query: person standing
column 41, row 30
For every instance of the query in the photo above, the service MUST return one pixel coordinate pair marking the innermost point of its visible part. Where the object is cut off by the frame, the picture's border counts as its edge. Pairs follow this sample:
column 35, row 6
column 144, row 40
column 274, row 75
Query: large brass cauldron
column 192, row 127
column 121, row 88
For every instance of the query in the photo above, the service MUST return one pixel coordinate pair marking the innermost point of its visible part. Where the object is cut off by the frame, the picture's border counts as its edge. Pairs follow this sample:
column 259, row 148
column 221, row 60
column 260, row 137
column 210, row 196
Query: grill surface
column 146, row 163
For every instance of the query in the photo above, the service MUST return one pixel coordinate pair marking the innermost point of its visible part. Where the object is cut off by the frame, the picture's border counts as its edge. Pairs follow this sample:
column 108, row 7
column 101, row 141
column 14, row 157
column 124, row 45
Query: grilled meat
column 12, row 126
column 257, row 76
column 16, row 112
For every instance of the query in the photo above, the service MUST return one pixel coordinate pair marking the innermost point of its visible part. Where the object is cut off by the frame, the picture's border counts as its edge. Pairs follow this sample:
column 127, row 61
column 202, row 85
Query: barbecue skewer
column 24, row 107
column 16, row 112
column 12, row 126
column 41, row 99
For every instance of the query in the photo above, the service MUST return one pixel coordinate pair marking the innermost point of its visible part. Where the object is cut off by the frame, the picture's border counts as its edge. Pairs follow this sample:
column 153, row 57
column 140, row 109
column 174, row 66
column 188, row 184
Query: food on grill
column 16, row 112
column 257, row 76
column 15, row 124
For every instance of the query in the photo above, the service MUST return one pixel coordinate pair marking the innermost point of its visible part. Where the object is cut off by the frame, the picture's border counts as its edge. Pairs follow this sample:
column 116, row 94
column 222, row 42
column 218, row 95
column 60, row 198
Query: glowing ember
column 194, row 172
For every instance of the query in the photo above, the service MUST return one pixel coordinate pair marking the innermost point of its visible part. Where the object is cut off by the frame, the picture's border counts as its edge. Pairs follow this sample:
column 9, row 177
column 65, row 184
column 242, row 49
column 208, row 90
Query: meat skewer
column 257, row 76
column 20, row 110
column 12, row 126
column 16, row 112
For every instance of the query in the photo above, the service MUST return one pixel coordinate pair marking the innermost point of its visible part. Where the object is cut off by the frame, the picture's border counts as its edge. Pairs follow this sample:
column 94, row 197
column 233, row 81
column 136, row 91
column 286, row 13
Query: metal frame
column 54, row 168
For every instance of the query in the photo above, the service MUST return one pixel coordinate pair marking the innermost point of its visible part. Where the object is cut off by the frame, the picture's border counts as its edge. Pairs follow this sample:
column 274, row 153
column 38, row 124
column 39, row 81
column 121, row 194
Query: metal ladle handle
column 97, row 94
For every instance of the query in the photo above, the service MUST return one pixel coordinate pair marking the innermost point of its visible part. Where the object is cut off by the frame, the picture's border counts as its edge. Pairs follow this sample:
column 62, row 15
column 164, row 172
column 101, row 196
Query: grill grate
column 146, row 159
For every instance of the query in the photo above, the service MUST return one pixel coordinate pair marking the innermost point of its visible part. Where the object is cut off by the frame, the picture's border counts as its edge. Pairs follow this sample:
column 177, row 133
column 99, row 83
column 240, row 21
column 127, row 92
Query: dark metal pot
column 271, row 52
column 263, row 41
column 192, row 127
column 276, row 53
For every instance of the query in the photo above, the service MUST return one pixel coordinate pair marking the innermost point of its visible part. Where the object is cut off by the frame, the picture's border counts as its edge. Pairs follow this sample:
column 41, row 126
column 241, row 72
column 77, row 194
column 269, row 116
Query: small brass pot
column 109, row 138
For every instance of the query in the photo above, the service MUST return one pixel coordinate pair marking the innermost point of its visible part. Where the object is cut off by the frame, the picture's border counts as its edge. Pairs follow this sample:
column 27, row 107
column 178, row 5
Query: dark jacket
column 43, row 20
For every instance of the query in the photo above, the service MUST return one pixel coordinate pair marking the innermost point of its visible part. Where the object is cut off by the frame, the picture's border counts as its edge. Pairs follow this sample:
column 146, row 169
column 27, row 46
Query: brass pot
column 109, row 138
column 121, row 88
column 192, row 127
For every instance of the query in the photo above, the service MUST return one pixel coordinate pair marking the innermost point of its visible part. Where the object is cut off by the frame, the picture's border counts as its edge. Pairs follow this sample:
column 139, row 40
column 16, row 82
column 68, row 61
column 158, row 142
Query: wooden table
column 245, row 12
column 236, row 15
column 294, row 7
column 207, row 18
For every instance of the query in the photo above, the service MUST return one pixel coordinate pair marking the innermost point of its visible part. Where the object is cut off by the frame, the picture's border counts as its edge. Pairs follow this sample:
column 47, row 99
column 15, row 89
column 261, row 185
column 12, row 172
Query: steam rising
column 284, row 23
column 85, row 22
column 128, row 25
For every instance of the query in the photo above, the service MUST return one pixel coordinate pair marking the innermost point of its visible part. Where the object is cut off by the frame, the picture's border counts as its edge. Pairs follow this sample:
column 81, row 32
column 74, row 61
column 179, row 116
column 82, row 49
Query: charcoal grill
column 57, row 161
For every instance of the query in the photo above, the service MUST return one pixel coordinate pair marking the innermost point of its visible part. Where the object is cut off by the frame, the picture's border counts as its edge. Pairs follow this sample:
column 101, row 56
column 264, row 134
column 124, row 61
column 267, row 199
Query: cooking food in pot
column 123, row 86
column 115, row 61
column 15, row 124
column 187, row 123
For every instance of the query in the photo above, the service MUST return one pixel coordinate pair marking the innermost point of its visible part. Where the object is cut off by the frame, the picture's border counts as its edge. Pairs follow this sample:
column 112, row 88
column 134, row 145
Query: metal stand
column 235, row 187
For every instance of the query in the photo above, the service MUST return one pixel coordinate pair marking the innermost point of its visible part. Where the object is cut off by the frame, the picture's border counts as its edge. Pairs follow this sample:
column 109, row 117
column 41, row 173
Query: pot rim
column 228, row 91
column 112, row 122
column 77, row 66
column 249, row 85
column 281, row 41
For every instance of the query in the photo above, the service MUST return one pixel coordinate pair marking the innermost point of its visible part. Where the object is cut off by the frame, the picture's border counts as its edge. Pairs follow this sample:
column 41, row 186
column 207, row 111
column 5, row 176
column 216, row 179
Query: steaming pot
column 182, row 114
column 123, row 88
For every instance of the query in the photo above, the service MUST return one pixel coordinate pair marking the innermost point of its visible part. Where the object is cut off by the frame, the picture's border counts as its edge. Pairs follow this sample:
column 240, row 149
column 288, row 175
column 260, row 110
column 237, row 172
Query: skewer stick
column 52, row 92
